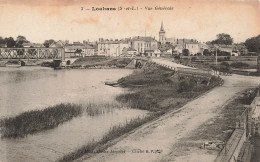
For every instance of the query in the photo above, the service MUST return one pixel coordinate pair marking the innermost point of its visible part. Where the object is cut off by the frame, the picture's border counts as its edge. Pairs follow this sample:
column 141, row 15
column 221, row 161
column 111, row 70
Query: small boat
column 111, row 83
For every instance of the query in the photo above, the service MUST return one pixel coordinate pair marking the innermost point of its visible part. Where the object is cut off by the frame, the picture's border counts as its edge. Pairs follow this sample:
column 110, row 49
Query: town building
column 192, row 45
column 88, row 50
column 239, row 49
column 112, row 48
column 129, row 52
column 140, row 44
column 32, row 45
column 171, row 40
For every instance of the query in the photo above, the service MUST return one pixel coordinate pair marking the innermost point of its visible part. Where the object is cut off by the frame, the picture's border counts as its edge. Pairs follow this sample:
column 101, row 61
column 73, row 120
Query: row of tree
column 10, row 42
column 20, row 40
column 252, row 44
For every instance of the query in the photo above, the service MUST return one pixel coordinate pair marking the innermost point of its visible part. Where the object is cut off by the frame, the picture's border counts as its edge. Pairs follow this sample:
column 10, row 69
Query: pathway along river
column 29, row 88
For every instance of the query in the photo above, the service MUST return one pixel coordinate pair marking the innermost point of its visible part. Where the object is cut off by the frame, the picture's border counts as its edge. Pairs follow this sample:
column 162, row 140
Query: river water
column 29, row 88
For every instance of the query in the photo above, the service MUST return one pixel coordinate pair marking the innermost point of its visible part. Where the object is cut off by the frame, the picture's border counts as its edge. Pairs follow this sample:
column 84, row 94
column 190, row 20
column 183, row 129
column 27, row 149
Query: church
column 162, row 38
column 165, row 45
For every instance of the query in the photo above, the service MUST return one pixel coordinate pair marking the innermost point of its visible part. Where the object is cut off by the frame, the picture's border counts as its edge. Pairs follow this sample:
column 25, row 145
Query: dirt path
column 168, row 133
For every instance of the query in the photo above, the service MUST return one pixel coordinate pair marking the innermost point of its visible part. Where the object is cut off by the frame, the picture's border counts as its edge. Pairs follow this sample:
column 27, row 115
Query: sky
column 39, row 20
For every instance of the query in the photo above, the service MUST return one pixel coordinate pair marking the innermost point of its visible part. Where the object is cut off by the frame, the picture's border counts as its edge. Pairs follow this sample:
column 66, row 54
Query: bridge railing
column 32, row 53
column 193, row 71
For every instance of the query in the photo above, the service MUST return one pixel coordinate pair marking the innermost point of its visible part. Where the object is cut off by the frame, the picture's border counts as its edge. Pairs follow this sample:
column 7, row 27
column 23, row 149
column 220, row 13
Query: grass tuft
column 37, row 120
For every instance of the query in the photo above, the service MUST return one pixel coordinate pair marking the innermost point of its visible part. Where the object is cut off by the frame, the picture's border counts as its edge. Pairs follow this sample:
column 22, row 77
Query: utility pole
column 216, row 56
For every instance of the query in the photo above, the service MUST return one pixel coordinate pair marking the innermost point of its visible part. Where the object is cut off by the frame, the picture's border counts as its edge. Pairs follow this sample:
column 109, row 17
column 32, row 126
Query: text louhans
column 132, row 8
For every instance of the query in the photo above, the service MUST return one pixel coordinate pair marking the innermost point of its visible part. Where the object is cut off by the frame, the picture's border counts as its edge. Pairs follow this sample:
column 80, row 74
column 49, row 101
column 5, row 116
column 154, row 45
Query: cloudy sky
column 39, row 20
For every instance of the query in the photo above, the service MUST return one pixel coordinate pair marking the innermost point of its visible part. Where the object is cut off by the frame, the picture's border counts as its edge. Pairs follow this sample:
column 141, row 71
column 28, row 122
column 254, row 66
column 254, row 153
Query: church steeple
column 162, row 29
column 162, row 38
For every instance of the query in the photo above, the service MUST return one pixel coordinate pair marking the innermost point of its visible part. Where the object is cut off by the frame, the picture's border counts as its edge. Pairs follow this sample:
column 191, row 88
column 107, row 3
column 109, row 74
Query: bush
column 225, row 64
column 206, row 52
column 186, row 85
column 177, row 57
column 193, row 58
column 239, row 65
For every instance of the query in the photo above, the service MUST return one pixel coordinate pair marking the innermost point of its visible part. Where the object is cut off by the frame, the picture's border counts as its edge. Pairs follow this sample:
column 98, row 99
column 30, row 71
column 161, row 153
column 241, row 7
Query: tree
column 20, row 40
column 253, row 44
column 2, row 41
column 10, row 42
column 186, row 52
column 78, row 51
column 47, row 43
column 206, row 52
column 223, row 38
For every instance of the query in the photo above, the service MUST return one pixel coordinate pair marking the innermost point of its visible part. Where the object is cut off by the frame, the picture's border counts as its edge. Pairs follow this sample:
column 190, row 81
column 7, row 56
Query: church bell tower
column 162, row 38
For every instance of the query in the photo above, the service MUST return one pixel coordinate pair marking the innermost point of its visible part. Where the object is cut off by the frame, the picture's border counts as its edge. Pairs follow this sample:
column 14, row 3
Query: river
column 30, row 88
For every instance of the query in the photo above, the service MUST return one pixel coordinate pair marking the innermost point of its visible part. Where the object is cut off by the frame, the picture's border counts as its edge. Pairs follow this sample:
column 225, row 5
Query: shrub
column 239, row 64
column 193, row 58
column 225, row 64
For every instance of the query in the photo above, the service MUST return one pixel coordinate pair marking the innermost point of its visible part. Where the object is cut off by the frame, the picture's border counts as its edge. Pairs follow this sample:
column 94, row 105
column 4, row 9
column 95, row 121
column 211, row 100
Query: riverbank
column 153, row 88
column 97, row 62
column 90, row 62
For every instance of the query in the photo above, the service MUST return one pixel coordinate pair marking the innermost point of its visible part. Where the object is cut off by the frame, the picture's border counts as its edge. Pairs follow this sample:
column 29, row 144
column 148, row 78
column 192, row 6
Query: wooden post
column 62, row 54
column 258, row 65
column 38, row 54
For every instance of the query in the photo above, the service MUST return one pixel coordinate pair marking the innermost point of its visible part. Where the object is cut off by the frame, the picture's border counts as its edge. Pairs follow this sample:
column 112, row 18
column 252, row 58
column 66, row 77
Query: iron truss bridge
column 32, row 53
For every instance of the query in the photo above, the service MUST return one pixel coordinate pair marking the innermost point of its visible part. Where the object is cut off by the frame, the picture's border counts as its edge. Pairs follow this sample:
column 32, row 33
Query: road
column 169, row 63
column 169, row 133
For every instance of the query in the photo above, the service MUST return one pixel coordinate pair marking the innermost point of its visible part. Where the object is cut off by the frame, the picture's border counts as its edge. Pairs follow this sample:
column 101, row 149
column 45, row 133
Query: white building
column 140, row 44
column 193, row 47
column 112, row 48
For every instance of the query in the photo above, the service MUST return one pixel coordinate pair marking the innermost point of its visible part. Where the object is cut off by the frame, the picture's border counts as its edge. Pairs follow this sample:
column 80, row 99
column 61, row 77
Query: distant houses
column 146, row 46
column 32, row 45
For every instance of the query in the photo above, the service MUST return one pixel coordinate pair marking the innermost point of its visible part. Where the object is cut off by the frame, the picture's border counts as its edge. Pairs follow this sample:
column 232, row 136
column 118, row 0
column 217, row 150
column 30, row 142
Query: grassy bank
column 38, row 120
column 159, row 89
column 153, row 88
column 98, row 61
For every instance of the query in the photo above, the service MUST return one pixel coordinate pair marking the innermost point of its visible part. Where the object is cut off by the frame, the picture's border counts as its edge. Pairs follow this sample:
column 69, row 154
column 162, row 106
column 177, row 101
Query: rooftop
column 146, row 39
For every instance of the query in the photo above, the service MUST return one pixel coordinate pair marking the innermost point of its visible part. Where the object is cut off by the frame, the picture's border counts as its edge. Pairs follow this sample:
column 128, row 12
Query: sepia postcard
column 130, row 80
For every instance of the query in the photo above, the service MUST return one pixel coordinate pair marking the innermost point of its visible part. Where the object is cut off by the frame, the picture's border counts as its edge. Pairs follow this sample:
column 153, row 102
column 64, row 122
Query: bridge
column 184, row 72
column 32, row 53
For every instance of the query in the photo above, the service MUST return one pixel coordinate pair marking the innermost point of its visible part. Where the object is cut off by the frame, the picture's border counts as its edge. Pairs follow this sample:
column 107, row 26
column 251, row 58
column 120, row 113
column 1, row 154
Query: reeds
column 107, row 139
column 38, row 120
